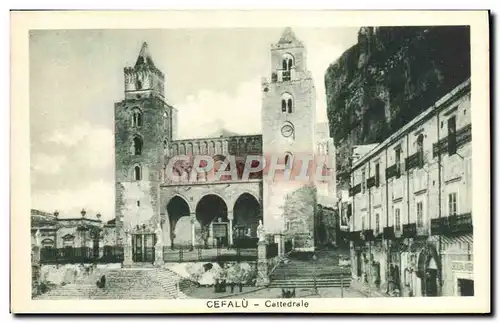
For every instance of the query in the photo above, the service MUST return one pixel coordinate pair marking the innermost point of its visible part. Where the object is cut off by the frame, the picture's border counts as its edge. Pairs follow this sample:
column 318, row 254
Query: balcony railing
column 368, row 235
column 355, row 190
column 414, row 161
column 286, row 75
column 409, row 230
column 371, row 182
column 451, row 225
column 463, row 136
column 355, row 236
column 392, row 171
column 389, row 233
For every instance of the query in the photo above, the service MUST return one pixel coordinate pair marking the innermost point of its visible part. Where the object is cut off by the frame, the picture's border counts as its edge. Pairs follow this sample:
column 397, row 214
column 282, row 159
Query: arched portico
column 247, row 213
column 177, row 208
column 212, row 214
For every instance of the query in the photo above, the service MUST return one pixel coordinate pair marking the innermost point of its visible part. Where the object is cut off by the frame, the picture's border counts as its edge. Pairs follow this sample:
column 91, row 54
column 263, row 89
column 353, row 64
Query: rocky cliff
column 390, row 76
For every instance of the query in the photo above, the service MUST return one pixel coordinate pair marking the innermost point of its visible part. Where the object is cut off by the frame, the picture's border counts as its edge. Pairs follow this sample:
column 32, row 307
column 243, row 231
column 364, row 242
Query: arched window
column 288, row 160
column 287, row 65
column 286, row 103
column 420, row 149
column 136, row 118
column 287, row 61
column 165, row 120
column 137, row 173
column 137, row 145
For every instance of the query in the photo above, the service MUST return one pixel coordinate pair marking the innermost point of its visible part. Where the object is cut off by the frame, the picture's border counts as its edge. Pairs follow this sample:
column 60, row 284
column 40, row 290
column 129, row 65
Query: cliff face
column 390, row 76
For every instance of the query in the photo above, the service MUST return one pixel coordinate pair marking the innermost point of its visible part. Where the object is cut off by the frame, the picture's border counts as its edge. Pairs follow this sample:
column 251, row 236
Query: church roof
column 144, row 57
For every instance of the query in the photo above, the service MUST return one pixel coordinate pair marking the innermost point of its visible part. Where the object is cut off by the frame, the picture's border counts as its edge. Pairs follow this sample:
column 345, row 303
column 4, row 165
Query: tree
column 299, row 211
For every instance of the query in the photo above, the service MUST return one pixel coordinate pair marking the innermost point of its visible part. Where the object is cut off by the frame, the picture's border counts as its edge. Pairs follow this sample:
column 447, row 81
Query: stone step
column 310, row 283
column 70, row 291
column 125, row 284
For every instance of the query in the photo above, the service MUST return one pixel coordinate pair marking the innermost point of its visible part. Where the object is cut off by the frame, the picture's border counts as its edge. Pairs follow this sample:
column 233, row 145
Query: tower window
column 137, row 145
column 286, row 103
column 136, row 118
column 165, row 120
column 137, row 173
column 288, row 161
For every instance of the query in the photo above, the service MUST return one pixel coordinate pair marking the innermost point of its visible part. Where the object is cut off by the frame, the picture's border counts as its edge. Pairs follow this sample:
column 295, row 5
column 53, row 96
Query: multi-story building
column 411, row 224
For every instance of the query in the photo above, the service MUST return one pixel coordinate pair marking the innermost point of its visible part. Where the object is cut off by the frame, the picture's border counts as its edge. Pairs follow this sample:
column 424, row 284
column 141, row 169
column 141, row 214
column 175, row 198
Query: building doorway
column 143, row 246
column 359, row 263
column 431, row 282
column 465, row 287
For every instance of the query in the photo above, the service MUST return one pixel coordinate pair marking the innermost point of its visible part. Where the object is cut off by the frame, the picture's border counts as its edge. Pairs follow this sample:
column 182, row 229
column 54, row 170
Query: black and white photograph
column 283, row 164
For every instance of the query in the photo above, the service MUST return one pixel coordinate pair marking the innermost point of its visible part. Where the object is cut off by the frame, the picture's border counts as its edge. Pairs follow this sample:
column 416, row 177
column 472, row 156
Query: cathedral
column 202, row 209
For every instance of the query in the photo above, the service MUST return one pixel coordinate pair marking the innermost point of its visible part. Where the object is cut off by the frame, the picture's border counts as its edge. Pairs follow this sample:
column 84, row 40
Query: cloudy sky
column 212, row 77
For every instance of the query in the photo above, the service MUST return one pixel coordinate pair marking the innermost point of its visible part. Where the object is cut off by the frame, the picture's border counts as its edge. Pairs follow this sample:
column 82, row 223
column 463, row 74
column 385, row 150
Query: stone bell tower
column 143, row 129
column 288, row 122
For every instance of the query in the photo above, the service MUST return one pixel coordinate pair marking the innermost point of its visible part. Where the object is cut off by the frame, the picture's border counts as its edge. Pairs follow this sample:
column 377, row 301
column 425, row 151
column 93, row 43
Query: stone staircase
column 321, row 272
column 129, row 283
column 70, row 291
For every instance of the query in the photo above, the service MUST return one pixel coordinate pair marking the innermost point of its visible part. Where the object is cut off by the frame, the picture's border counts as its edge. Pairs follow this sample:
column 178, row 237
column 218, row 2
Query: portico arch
column 213, row 209
column 177, row 208
column 247, row 213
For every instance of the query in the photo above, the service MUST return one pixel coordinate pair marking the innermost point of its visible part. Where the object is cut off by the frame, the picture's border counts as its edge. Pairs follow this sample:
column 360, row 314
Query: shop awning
column 453, row 240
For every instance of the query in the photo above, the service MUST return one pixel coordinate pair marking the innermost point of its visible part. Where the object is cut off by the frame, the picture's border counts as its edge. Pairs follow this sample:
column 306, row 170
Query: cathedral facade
column 200, row 208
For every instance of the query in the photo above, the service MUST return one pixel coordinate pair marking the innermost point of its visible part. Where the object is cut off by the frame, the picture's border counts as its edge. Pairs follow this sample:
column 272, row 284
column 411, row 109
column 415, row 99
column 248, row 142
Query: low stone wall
column 206, row 273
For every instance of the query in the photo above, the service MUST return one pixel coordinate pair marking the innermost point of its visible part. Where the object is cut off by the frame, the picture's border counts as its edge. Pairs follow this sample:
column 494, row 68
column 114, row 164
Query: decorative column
column 127, row 249
column 230, row 217
column 192, row 217
column 262, row 274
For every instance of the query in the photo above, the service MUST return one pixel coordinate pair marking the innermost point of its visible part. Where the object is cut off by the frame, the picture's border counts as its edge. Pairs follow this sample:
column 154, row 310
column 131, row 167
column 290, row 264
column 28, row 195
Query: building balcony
column 452, row 225
column 367, row 235
column 392, row 171
column 355, row 236
column 389, row 233
column 371, row 182
column 409, row 230
column 414, row 161
column 463, row 136
column 355, row 190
